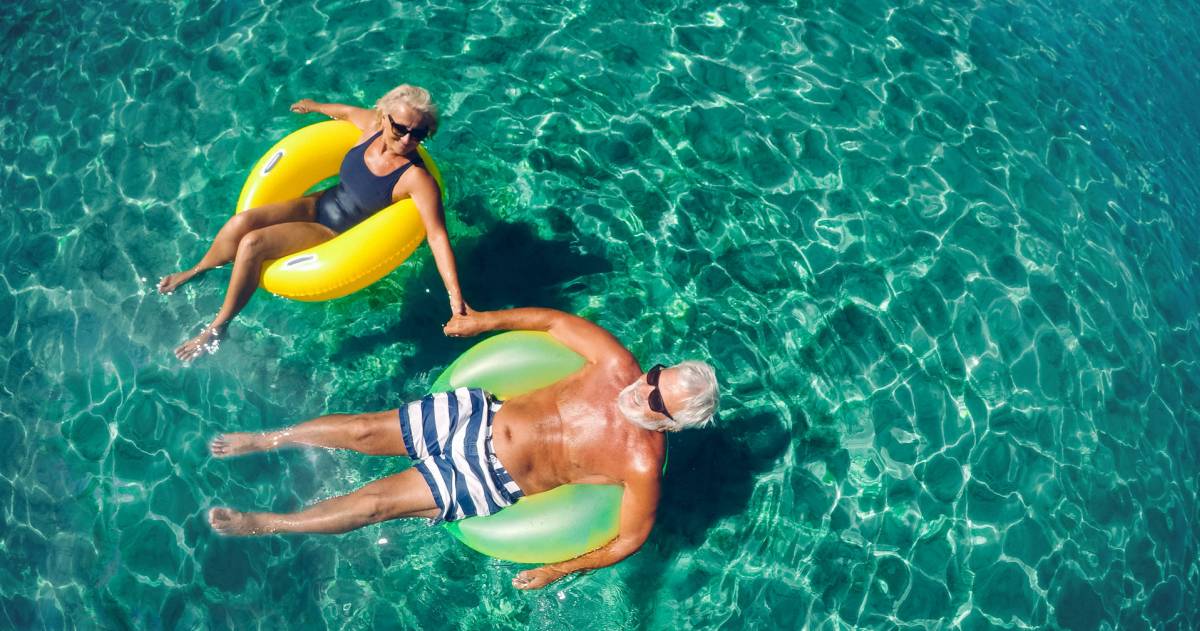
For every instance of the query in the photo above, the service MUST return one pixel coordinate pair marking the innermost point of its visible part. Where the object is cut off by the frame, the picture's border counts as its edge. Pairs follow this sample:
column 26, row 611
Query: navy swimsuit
column 359, row 193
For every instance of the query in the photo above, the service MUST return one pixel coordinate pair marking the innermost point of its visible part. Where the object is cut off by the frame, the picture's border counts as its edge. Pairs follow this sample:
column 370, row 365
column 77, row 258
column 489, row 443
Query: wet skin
column 250, row 238
column 567, row 433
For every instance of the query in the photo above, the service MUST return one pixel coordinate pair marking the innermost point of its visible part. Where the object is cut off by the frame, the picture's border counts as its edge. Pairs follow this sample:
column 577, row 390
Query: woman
column 382, row 169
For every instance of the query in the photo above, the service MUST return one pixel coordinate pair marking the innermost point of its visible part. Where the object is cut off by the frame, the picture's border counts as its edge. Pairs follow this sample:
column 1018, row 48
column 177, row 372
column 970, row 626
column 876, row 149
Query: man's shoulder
column 620, row 367
column 645, row 453
column 644, row 467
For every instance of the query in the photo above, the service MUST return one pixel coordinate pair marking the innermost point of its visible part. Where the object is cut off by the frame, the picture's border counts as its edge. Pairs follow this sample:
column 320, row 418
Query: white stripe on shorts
column 461, row 461
column 485, row 463
column 418, row 438
column 417, row 435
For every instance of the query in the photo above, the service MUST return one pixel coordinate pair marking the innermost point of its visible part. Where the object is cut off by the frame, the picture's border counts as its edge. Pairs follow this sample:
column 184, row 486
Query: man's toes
column 223, row 520
column 218, row 517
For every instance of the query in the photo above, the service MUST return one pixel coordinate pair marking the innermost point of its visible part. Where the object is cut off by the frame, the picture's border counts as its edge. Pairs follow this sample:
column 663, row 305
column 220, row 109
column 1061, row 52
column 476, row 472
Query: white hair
column 696, row 380
column 414, row 98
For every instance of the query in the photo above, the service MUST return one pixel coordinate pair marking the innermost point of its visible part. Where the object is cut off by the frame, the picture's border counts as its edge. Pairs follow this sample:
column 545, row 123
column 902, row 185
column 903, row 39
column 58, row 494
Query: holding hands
column 465, row 324
column 458, row 305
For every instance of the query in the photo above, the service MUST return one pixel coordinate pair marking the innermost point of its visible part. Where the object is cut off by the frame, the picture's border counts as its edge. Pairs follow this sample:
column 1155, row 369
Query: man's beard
column 634, row 410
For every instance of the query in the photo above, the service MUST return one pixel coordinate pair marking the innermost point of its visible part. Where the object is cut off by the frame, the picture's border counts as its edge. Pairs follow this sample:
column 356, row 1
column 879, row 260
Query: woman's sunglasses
column 418, row 133
column 656, row 399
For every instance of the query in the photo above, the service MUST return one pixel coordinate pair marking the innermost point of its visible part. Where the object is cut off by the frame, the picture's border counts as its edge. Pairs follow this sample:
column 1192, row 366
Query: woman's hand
column 458, row 306
column 465, row 325
column 304, row 106
column 536, row 578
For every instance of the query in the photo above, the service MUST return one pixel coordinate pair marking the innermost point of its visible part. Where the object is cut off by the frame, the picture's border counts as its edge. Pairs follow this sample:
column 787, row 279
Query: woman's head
column 407, row 115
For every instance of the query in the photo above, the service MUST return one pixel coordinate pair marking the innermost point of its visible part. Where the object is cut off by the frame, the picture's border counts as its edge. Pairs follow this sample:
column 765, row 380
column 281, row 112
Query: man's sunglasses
column 656, row 399
column 418, row 133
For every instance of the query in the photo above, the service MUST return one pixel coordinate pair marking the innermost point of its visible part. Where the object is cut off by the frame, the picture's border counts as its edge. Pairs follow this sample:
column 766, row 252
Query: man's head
column 671, row 399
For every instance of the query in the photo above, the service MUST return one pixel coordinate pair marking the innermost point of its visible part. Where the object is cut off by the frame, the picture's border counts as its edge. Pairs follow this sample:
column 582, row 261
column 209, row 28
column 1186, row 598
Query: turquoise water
column 943, row 256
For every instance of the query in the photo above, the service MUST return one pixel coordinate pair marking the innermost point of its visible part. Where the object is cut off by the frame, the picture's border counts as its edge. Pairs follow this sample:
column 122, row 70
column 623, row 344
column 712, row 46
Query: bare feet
column 207, row 342
column 167, row 284
column 227, row 521
column 236, row 444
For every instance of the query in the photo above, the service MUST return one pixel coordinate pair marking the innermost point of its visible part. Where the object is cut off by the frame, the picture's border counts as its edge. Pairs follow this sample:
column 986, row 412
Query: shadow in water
column 711, row 472
column 508, row 266
column 711, row 476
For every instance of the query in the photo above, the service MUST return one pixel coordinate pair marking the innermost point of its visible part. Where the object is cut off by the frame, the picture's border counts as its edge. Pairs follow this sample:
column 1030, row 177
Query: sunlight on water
column 942, row 255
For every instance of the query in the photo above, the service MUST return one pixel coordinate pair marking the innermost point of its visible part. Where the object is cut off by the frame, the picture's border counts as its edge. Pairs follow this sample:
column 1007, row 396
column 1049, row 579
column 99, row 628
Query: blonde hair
column 699, row 381
column 412, row 97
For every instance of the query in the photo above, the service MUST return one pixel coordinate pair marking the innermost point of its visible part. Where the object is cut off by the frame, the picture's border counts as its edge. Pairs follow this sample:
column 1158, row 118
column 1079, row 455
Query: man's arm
column 639, row 503
column 593, row 342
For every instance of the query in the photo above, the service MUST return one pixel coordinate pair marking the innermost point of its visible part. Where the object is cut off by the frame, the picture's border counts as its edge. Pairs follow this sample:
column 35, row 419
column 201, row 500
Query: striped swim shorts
column 449, row 437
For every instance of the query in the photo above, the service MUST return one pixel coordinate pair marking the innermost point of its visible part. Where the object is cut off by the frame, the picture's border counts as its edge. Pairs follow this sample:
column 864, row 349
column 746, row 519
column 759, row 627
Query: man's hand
column 464, row 325
column 536, row 578
column 595, row 344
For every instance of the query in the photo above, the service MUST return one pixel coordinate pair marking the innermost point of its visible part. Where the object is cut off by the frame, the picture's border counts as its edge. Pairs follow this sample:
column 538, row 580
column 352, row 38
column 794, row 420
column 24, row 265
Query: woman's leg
column 373, row 433
column 224, row 246
column 405, row 494
column 256, row 247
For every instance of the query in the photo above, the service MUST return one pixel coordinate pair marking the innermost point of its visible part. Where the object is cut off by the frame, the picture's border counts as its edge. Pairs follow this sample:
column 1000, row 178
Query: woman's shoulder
column 416, row 179
column 419, row 169
column 365, row 119
column 367, row 135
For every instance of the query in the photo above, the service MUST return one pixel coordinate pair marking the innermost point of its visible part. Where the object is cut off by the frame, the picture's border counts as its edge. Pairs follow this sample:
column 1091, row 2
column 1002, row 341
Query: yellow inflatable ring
column 353, row 259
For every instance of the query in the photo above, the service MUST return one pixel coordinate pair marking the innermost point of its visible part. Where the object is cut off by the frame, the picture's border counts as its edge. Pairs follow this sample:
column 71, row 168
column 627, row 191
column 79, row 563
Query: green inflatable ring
column 558, row 524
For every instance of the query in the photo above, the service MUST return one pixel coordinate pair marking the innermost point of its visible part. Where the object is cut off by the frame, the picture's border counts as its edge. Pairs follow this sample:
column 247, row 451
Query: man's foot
column 167, row 284
column 227, row 521
column 236, row 444
column 207, row 342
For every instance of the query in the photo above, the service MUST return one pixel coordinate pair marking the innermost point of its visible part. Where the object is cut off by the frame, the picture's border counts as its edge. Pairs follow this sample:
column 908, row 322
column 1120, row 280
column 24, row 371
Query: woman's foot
column 167, row 284
column 207, row 342
column 227, row 521
column 236, row 444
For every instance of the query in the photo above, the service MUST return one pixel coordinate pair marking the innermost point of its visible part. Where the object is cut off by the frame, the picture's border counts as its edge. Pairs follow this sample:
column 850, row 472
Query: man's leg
column 373, row 433
column 402, row 495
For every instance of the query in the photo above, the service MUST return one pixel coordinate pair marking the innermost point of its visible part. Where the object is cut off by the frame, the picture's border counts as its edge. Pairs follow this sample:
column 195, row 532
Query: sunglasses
column 656, row 399
column 418, row 133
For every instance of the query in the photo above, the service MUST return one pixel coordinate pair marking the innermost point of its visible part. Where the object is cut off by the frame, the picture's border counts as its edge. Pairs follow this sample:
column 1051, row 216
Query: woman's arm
column 428, row 199
column 364, row 119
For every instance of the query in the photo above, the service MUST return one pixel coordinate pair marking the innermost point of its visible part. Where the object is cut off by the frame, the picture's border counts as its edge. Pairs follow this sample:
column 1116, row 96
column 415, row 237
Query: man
column 602, row 425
